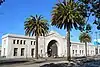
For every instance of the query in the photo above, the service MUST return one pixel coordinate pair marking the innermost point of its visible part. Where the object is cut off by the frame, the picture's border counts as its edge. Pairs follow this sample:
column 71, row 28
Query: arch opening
column 52, row 49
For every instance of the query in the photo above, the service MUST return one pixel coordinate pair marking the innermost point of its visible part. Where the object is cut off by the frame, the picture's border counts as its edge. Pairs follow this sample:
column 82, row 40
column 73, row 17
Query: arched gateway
column 52, row 48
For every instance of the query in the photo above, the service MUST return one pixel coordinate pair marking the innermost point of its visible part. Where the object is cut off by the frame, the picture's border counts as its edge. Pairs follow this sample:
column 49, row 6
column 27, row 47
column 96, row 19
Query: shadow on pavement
column 58, row 65
column 12, row 61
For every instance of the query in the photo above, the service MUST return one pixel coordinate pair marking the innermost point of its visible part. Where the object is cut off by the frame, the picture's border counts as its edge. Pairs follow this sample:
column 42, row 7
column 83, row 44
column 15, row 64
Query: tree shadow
column 58, row 65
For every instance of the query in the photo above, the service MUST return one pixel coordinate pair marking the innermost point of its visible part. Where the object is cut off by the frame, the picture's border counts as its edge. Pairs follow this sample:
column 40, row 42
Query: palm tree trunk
column 68, row 45
column 36, row 53
column 86, row 49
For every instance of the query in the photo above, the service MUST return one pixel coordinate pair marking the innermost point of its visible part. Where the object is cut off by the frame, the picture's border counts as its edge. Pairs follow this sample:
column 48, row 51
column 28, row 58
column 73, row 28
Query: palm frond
column 36, row 25
column 85, row 37
column 64, row 14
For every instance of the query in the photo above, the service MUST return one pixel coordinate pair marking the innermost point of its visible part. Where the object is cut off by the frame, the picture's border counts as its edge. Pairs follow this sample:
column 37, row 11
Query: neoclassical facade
column 20, row 46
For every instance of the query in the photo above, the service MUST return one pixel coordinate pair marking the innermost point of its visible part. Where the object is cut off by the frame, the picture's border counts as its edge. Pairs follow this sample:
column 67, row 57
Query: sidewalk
column 41, row 61
column 21, row 60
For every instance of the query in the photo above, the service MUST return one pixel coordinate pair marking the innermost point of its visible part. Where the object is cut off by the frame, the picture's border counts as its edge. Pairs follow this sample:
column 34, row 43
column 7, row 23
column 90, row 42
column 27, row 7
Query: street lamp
column 96, row 43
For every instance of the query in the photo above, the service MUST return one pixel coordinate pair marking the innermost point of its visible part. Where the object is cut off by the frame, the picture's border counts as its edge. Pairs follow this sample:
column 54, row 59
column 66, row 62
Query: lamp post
column 96, row 43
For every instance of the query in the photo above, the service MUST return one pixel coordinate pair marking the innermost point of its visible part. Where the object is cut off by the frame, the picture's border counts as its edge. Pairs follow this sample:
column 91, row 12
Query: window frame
column 73, row 51
column 22, row 51
column 21, row 41
column 17, row 41
column 32, row 51
column 24, row 42
column 15, row 51
column 80, row 51
column 14, row 41
column 31, row 42
column 34, row 42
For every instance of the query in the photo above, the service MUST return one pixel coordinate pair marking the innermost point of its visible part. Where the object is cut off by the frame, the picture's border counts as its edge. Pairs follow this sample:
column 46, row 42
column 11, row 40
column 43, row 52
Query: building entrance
column 52, row 49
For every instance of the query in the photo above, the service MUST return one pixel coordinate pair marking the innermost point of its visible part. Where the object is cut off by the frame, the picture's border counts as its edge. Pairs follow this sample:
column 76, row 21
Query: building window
column 80, row 51
column 31, row 42
column 4, row 51
column 73, row 51
column 20, row 41
column 32, row 52
column 17, row 41
column 4, row 41
column 34, row 42
column 22, row 51
column 76, row 51
column 41, row 51
column 42, row 54
column 15, row 51
column 93, row 52
column 99, row 50
column 24, row 41
column 14, row 41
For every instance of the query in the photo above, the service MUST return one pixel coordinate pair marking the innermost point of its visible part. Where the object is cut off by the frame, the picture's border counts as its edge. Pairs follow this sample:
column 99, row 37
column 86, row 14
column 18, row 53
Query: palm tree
column 37, row 26
column 85, row 38
column 1, row 1
column 65, row 15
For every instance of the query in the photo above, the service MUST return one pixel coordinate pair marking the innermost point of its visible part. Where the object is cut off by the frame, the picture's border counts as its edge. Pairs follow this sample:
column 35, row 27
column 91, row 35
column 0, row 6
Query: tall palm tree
column 37, row 26
column 65, row 15
column 85, row 38
column 1, row 1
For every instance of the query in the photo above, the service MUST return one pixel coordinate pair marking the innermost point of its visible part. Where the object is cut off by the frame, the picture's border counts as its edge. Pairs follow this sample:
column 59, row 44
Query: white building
column 19, row 46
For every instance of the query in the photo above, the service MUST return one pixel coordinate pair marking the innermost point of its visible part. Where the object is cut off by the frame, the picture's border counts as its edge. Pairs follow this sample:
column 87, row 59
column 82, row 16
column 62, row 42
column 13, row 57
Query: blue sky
column 14, row 12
